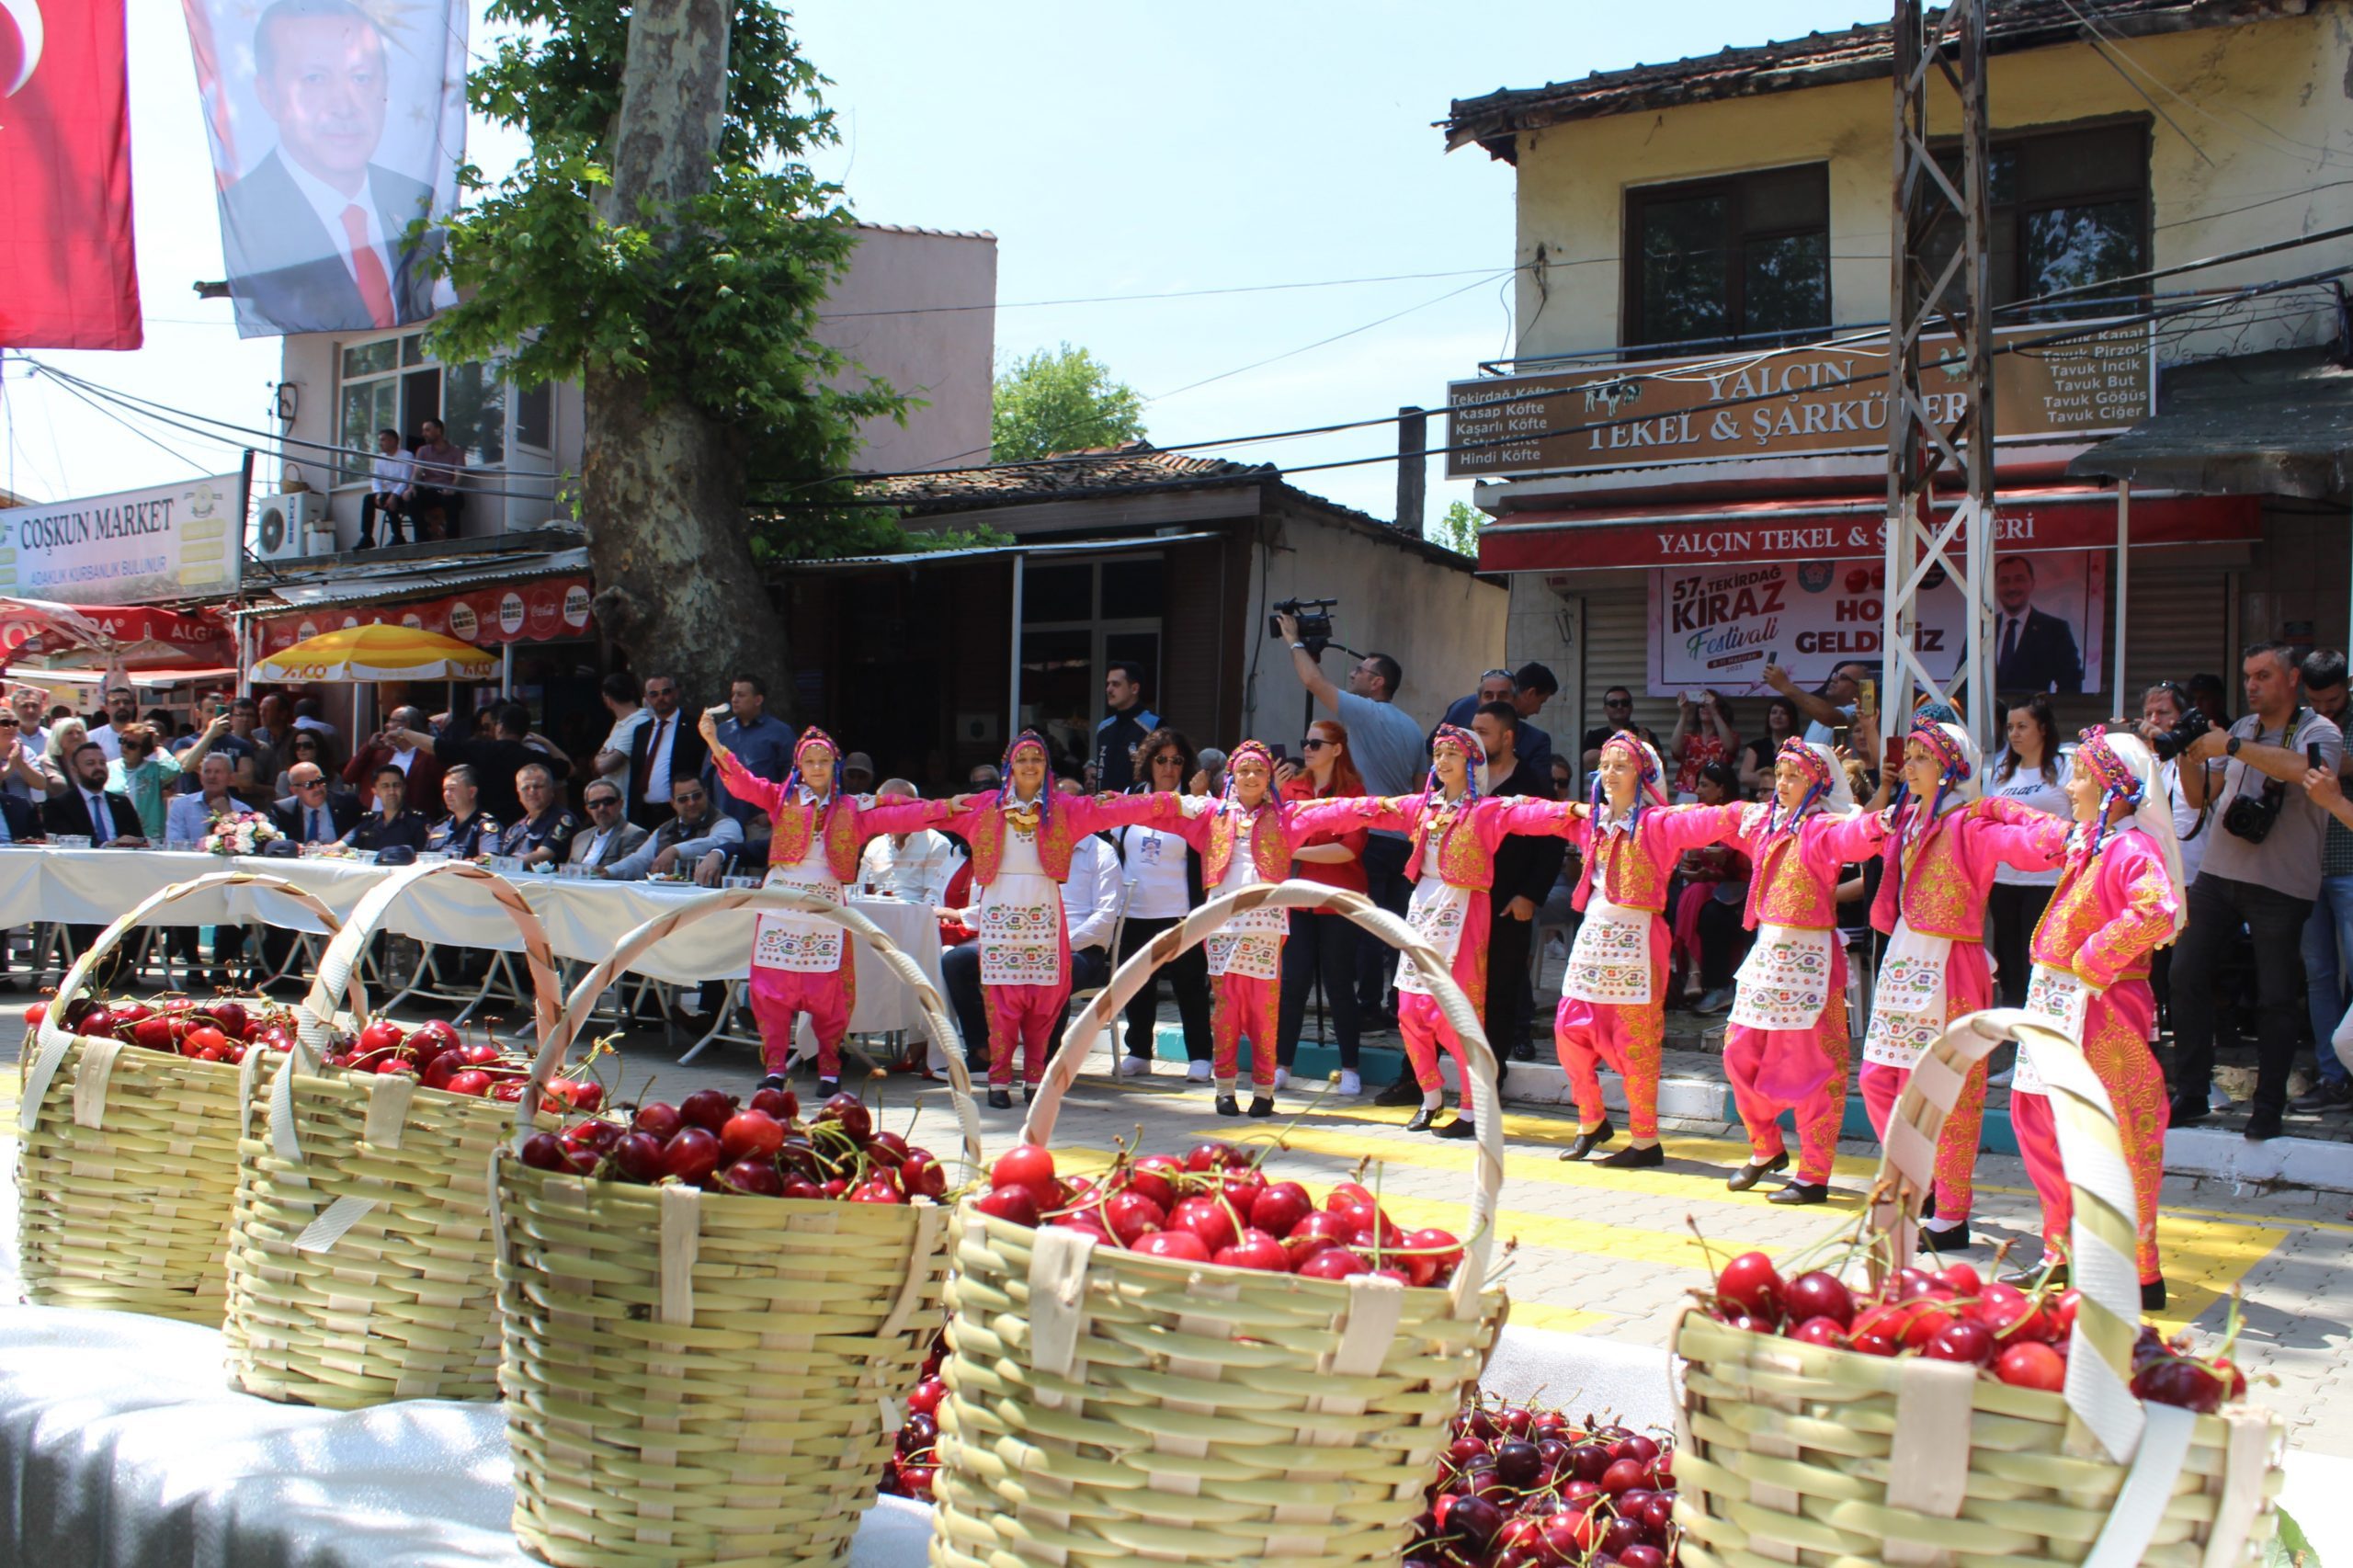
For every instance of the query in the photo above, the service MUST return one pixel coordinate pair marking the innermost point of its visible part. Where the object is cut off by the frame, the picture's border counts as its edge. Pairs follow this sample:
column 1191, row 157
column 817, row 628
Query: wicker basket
column 360, row 1258
column 696, row 1377
column 1105, row 1405
column 126, row 1158
column 1790, row 1452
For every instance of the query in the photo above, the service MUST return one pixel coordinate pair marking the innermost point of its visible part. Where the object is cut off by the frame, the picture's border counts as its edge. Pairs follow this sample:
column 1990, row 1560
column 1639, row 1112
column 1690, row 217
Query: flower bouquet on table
column 238, row 833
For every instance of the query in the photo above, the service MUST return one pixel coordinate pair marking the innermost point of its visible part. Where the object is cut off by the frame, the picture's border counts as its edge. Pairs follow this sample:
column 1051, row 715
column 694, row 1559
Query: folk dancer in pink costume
column 1613, row 994
column 1938, row 867
column 1245, row 836
column 1021, row 838
column 803, row 964
column 1785, row 1043
column 1454, row 832
column 2120, row 898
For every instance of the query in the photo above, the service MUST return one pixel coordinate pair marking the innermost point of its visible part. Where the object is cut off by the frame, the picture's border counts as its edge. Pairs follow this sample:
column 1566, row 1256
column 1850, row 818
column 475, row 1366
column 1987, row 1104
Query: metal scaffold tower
column 1929, row 296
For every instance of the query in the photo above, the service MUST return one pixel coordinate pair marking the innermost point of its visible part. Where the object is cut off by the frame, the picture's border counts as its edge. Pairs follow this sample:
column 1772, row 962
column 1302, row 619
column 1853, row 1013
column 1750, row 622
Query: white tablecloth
column 585, row 919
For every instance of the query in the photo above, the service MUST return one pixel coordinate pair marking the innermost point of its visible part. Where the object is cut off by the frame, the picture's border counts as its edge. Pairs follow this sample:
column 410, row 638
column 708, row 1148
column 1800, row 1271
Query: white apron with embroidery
column 1251, row 944
column 1908, row 1001
column 1437, row 914
column 1021, row 917
column 800, row 944
column 2061, row 1001
column 1612, row 960
column 1784, row 983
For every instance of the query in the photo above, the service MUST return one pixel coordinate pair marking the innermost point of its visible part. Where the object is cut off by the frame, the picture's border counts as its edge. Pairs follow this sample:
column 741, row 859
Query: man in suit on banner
column 316, row 233
column 2033, row 650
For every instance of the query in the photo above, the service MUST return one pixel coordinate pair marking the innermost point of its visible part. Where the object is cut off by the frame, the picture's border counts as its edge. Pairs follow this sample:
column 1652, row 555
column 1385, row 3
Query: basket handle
column 341, row 960
column 555, row 1043
column 1488, row 1172
column 55, row 1040
column 2103, row 1243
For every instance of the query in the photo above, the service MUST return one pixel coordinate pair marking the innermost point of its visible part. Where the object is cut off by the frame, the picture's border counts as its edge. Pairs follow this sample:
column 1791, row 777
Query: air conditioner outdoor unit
column 283, row 526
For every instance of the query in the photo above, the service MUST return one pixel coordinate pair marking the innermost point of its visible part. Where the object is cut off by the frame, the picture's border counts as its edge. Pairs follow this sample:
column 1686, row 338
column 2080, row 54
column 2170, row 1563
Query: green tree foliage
column 714, row 301
column 1458, row 530
column 1061, row 399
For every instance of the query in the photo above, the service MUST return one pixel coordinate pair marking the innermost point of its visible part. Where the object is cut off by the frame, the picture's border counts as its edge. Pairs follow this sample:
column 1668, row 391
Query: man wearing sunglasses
column 1617, row 716
column 21, row 777
column 609, row 833
column 313, row 814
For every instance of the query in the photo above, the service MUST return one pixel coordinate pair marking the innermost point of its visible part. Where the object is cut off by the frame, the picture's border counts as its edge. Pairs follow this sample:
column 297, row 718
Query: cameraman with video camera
column 2262, row 869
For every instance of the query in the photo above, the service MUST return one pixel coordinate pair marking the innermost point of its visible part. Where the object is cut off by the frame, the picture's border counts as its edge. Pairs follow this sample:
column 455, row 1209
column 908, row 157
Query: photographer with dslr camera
column 1389, row 751
column 2263, row 870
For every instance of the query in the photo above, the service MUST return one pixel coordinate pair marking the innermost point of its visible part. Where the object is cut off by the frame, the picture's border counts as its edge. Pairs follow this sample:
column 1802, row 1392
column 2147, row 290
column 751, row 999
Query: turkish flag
column 68, row 276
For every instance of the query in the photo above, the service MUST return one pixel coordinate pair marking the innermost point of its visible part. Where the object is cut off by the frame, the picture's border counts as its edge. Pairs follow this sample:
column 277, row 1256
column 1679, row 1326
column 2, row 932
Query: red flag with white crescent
column 69, row 277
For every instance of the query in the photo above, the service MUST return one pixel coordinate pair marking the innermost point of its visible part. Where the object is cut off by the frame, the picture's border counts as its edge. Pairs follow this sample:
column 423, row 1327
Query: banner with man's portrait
column 336, row 127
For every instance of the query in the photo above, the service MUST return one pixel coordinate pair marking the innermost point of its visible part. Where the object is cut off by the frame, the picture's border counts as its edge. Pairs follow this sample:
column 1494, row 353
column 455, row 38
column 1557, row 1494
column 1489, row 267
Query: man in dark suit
column 2033, row 650
column 316, row 233
column 85, row 810
column 312, row 815
column 669, row 746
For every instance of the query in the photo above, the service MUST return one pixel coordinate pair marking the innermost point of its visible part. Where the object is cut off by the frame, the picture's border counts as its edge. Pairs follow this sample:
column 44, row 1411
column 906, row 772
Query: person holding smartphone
column 1703, row 735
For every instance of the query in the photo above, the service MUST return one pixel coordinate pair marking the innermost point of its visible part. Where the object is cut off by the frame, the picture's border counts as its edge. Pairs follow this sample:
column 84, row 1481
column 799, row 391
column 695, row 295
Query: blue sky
column 1111, row 149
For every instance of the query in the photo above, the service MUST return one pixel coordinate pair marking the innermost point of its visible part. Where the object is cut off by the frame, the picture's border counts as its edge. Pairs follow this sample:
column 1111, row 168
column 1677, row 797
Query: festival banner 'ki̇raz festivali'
column 337, row 127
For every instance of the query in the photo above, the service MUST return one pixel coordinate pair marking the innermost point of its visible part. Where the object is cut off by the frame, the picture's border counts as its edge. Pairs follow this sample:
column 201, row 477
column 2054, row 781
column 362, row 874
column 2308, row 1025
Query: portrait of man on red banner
column 68, row 276
column 337, row 127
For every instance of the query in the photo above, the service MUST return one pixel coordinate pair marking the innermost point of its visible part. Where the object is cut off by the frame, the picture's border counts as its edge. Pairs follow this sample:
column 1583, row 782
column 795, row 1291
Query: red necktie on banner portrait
column 69, row 277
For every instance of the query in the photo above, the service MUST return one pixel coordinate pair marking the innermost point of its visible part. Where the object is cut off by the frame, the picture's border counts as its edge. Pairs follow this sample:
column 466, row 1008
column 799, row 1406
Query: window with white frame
column 391, row 384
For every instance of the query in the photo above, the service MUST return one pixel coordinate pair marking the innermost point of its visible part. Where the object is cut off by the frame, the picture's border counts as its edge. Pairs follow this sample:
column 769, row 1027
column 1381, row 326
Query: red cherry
column 851, row 1112
column 2063, row 1316
column 1207, row 1157
column 1930, row 1319
column 638, row 1156
column 925, row 1398
column 440, row 1032
column 1131, row 1215
column 154, row 1032
column 586, row 1094
column 481, row 1053
column 924, row 1174
column 1333, row 1263
column 707, row 1109
column 2177, row 1380
column 1751, row 1283
column 1441, row 1246
column 801, row 1187
column 2032, row 1365
column 691, row 1156
column 1818, row 1295
column 1255, row 1249
column 382, row 1035
column 1965, row 1340
column 440, row 1071
column 395, row 1066
column 1024, row 1164
column 781, row 1104
column 1642, row 1554
column 750, row 1133
column 1276, row 1208
column 199, row 1041
column 1964, row 1279
column 877, row 1188
column 544, row 1151
column 1205, row 1217
column 1180, row 1246
column 661, row 1120
column 473, row 1081
column 597, row 1135
column 1622, row 1476
column 1347, row 1193
column 1875, row 1345
column 35, row 1014
column 1823, row 1330
column 1013, row 1204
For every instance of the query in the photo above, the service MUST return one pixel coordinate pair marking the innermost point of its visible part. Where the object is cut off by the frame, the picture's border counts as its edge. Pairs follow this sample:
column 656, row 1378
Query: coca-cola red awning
column 135, row 637
column 543, row 609
column 1798, row 530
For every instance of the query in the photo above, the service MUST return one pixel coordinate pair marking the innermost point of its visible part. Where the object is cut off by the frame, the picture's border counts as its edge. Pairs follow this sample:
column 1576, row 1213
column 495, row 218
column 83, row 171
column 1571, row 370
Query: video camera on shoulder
column 1315, row 618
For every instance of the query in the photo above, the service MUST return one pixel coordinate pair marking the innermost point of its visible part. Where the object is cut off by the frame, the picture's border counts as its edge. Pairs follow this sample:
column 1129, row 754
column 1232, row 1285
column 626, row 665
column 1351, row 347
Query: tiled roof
column 1138, row 465
column 1855, row 53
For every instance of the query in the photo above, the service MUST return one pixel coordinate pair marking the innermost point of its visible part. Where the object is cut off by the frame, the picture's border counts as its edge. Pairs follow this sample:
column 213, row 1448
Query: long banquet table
column 585, row 918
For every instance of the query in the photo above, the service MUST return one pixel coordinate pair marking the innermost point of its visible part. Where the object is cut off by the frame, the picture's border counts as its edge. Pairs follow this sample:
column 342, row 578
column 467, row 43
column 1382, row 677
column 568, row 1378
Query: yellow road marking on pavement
column 1555, row 1320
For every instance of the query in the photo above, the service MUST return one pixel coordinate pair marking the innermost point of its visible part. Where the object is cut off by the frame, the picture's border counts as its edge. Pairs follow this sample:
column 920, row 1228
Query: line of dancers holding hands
column 2120, row 898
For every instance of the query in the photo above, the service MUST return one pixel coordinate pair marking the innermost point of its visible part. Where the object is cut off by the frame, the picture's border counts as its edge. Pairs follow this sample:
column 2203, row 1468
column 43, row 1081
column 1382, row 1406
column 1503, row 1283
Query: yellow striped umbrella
column 378, row 652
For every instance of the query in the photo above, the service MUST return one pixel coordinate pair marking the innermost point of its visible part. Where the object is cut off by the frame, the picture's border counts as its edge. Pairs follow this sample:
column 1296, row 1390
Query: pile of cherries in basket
column 915, row 1461
column 763, row 1149
column 1523, row 1486
column 221, row 1029
column 2013, row 1336
column 1214, row 1204
column 438, row 1056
